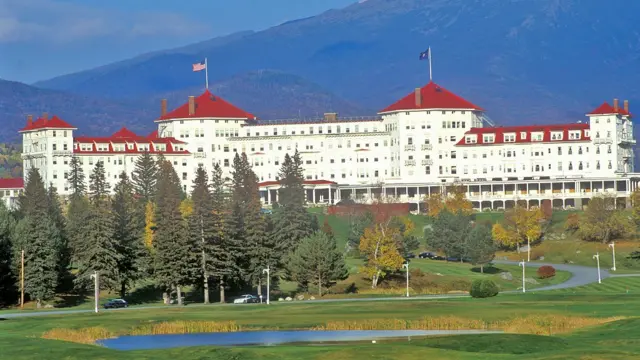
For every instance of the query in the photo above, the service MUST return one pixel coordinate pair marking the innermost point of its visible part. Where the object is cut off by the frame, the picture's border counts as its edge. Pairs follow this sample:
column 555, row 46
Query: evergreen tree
column 221, row 261
column 317, row 261
column 236, row 246
column 99, row 250
column 39, row 238
column 8, row 289
column 292, row 221
column 202, row 227
column 98, row 185
column 357, row 226
column 480, row 248
column 34, row 196
column 127, row 233
column 145, row 177
column 54, row 211
column 77, row 225
column 171, row 243
column 449, row 233
column 76, row 177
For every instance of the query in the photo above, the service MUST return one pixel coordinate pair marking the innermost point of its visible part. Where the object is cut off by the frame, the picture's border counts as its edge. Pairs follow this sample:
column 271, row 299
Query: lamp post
column 597, row 257
column 613, row 248
column 406, row 266
column 523, row 264
column 267, row 271
column 96, row 285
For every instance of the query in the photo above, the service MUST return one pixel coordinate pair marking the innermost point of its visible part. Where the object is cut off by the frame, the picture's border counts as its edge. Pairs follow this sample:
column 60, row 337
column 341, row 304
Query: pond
column 147, row 342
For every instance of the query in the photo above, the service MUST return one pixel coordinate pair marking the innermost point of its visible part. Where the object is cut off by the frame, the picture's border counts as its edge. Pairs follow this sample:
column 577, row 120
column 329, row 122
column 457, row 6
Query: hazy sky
column 40, row 39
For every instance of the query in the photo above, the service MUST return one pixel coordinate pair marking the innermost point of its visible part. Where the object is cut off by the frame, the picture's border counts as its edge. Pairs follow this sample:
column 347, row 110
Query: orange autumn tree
column 455, row 200
column 379, row 244
column 520, row 225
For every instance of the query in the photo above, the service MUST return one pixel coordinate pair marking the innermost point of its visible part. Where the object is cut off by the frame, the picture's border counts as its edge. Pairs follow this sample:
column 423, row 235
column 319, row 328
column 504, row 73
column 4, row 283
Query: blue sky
column 40, row 39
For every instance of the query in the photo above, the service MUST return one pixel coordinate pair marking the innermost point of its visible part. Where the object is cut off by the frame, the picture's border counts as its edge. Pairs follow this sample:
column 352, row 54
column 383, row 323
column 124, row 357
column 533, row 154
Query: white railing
column 200, row 155
column 62, row 153
column 602, row 141
column 409, row 163
column 426, row 162
column 427, row 147
column 409, row 147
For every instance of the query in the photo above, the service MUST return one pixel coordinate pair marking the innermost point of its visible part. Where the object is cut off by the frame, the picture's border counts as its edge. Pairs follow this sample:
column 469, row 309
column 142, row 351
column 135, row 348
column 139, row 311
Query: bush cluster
column 484, row 288
column 546, row 271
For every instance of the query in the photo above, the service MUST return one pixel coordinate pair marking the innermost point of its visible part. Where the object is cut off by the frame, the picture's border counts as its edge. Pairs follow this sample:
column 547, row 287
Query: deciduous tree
column 603, row 222
column 519, row 225
column 455, row 200
column 379, row 245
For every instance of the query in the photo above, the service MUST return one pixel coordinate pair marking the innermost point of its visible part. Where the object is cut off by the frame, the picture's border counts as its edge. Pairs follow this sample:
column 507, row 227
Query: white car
column 246, row 299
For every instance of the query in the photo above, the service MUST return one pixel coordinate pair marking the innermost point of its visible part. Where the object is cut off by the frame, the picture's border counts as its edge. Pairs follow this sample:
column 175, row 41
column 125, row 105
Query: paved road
column 581, row 275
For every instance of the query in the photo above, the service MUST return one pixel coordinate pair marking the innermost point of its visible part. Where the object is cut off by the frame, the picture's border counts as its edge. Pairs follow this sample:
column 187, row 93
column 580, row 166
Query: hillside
column 268, row 94
column 524, row 61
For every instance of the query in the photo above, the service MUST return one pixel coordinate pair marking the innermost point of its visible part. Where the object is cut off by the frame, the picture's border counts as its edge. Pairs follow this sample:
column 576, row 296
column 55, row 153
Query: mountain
column 266, row 93
column 522, row 60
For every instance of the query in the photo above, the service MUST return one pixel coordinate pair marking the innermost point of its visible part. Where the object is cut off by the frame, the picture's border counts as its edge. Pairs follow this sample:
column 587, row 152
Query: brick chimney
column 163, row 107
column 29, row 120
column 45, row 117
column 330, row 117
column 626, row 106
column 192, row 105
column 418, row 93
column 615, row 105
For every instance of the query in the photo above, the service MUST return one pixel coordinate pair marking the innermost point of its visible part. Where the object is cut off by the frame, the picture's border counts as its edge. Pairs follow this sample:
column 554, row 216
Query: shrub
column 484, row 288
column 546, row 271
column 572, row 223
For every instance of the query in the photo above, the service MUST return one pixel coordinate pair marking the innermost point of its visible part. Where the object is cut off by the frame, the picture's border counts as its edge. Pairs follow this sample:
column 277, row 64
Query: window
column 453, row 154
column 537, row 136
column 510, row 137
column 556, row 135
column 523, row 135
column 488, row 138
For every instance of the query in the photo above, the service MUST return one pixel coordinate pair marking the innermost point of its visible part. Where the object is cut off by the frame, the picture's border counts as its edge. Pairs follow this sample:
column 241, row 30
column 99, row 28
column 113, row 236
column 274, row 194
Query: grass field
column 20, row 338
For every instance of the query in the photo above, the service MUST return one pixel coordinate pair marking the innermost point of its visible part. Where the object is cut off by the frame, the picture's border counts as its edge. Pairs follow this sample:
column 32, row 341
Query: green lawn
column 617, row 285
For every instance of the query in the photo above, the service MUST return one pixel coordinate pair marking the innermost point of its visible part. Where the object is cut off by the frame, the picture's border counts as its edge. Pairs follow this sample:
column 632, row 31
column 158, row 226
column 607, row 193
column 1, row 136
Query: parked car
column 246, row 299
column 116, row 303
column 426, row 255
column 410, row 256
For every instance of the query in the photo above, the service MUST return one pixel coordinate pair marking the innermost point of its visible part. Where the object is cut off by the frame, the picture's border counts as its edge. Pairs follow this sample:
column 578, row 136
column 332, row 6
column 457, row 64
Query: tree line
column 148, row 227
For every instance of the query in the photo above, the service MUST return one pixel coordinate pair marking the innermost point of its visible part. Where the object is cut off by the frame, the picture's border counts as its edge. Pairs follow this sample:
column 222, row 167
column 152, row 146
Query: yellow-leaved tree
column 380, row 247
column 520, row 225
column 455, row 200
column 149, row 224
column 186, row 208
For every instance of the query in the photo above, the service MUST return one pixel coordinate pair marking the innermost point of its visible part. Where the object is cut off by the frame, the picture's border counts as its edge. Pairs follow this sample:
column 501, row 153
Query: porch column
column 313, row 195
column 330, row 190
column 268, row 196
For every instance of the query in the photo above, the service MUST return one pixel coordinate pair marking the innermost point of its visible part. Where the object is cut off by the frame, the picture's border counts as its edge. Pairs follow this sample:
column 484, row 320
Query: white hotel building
column 414, row 147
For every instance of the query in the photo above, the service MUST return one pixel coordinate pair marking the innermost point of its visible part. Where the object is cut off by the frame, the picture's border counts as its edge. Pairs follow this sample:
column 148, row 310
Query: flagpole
column 430, row 73
column 206, row 73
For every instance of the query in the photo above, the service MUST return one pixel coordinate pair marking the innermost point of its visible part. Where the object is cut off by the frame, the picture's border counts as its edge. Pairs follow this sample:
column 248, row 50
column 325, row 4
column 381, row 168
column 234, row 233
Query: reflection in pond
column 142, row 342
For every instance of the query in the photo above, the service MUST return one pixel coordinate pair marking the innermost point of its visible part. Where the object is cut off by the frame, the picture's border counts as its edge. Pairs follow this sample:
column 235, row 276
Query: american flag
column 199, row 67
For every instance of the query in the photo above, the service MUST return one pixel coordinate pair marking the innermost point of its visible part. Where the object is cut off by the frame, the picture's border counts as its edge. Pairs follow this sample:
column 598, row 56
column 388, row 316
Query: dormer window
column 523, row 135
column 510, row 137
column 537, row 136
column 469, row 139
column 488, row 138
column 574, row 135
column 556, row 135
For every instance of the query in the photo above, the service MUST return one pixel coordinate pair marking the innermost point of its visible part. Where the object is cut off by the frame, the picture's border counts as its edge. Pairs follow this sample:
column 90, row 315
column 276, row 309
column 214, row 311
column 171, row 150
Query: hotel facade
column 419, row 145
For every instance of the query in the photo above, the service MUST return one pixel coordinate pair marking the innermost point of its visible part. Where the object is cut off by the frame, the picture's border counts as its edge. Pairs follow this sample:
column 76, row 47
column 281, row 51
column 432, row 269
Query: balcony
column 200, row 155
column 602, row 141
column 427, row 147
column 627, row 138
column 62, row 153
column 426, row 162
column 409, row 163
column 410, row 147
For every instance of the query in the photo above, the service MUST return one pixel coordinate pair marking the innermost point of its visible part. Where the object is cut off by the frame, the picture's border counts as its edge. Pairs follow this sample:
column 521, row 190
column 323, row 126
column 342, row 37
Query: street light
column 523, row 264
column 267, row 271
column 406, row 266
column 96, row 285
column 597, row 257
column 613, row 247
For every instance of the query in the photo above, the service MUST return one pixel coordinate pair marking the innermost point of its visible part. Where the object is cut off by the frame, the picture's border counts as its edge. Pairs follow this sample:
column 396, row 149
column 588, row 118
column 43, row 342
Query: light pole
column 597, row 257
column 96, row 288
column 523, row 264
column 267, row 271
column 613, row 248
column 406, row 266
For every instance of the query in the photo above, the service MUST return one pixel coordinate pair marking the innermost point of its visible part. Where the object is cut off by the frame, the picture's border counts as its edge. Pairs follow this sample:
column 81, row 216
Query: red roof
column 606, row 109
column 433, row 96
column 12, row 183
column 208, row 106
column 41, row 123
column 546, row 137
column 126, row 136
column 306, row 182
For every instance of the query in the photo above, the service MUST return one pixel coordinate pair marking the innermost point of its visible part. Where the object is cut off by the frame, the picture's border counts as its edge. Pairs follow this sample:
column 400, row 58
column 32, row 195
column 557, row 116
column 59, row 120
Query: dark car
column 426, row 255
column 410, row 256
column 116, row 303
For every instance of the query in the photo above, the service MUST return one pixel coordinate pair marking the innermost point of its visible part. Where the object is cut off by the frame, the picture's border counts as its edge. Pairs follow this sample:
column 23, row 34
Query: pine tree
column 34, row 196
column 145, row 177
column 76, row 178
column 8, row 290
column 480, row 248
column 127, row 233
column 171, row 243
column 449, row 233
column 98, row 185
column 99, row 250
column 317, row 261
column 292, row 221
column 236, row 246
column 221, row 262
column 54, row 211
column 77, row 225
column 202, row 227
column 38, row 237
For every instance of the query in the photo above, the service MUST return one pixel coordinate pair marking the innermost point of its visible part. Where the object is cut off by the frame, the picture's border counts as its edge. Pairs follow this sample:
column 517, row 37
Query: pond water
column 145, row 342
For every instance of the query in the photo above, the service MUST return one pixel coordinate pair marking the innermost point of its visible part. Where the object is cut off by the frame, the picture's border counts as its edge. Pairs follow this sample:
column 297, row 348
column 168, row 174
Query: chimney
column 418, row 93
column 192, row 105
column 626, row 106
column 163, row 107
column 615, row 105
column 45, row 116
column 330, row 117
column 29, row 120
